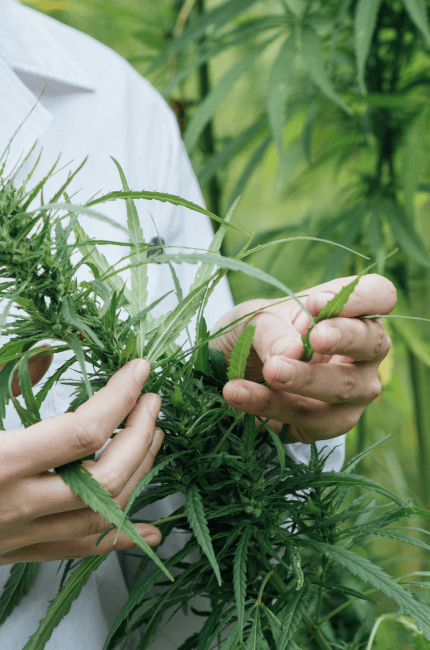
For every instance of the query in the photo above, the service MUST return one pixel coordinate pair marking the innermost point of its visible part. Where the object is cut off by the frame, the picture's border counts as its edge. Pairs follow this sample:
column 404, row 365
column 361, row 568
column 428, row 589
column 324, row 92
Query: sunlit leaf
column 196, row 517
column 366, row 13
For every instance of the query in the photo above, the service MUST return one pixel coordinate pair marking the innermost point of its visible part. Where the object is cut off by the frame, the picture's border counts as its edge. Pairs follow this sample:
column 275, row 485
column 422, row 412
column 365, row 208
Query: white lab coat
column 97, row 105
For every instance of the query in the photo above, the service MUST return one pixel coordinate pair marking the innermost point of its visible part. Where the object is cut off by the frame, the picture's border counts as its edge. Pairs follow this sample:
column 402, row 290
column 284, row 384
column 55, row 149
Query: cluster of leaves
column 267, row 562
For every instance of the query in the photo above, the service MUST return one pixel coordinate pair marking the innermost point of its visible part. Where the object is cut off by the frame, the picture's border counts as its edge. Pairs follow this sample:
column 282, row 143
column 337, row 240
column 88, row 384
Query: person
column 97, row 105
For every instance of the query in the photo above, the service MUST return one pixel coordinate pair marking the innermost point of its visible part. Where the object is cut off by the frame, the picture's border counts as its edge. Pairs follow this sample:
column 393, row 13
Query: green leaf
column 27, row 418
column 17, row 586
column 255, row 638
column 218, row 93
column 139, row 272
column 374, row 575
column 332, row 309
column 156, row 196
column 417, row 11
column 215, row 18
column 280, row 77
column 83, row 484
column 413, row 156
column 146, row 480
column 205, row 270
column 239, row 577
column 26, row 388
column 60, row 606
column 335, row 306
column 394, row 534
column 99, row 260
column 313, row 57
column 292, row 617
column 74, row 344
column 71, row 317
column 6, row 375
column 250, row 167
column 405, row 234
column 233, row 147
column 234, row 265
column 197, row 521
column 240, row 352
column 202, row 363
column 366, row 13
column 278, row 445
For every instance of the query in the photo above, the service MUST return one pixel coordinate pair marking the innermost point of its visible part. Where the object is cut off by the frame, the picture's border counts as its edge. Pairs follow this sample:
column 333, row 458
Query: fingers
column 127, row 458
column 70, row 436
column 373, row 294
column 311, row 419
column 81, row 547
column 78, row 523
column 336, row 383
column 361, row 339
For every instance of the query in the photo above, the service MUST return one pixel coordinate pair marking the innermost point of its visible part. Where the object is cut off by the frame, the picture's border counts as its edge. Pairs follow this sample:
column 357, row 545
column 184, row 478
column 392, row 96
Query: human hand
column 37, row 367
column 325, row 397
column 40, row 517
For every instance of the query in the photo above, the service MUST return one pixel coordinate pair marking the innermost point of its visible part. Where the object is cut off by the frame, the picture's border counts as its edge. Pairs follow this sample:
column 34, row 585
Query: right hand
column 40, row 517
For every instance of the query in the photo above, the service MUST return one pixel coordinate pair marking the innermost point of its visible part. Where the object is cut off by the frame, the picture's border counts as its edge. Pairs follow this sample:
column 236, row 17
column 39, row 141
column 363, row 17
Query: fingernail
column 332, row 334
column 153, row 405
column 141, row 371
column 282, row 346
column 286, row 371
column 158, row 438
column 241, row 395
column 152, row 540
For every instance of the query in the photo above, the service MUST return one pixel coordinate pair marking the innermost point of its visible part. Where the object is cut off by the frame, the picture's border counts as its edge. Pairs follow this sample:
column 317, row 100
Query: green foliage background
column 333, row 145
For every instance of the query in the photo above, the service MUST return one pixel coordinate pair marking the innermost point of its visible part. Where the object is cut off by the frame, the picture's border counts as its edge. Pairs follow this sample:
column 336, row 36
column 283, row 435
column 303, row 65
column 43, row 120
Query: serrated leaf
column 17, row 586
column 26, row 388
column 234, row 265
column 205, row 270
column 71, row 317
column 240, row 352
column 280, row 78
column 394, row 534
column 154, row 196
column 83, row 484
column 366, row 13
column 239, row 577
column 146, row 480
column 417, row 11
column 139, row 271
column 374, row 575
column 255, row 638
column 197, row 520
column 60, row 606
column 202, row 363
column 99, row 261
column 218, row 93
column 279, row 446
column 313, row 57
column 332, row 309
column 292, row 617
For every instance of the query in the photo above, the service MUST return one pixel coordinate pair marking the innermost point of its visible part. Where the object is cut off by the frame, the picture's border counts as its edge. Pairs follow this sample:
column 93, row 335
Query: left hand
column 325, row 397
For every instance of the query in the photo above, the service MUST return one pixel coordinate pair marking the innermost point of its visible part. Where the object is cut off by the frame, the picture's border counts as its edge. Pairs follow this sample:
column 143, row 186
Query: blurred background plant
column 317, row 112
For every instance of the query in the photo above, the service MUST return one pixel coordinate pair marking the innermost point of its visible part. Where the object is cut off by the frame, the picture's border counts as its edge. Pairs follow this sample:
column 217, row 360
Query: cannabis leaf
column 239, row 577
column 139, row 270
column 17, row 586
column 374, row 575
column 292, row 617
column 92, row 494
column 240, row 352
column 333, row 308
column 197, row 520
column 60, row 606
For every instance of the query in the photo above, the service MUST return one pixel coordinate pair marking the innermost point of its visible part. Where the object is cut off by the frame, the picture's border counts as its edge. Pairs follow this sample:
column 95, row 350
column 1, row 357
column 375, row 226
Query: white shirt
column 97, row 105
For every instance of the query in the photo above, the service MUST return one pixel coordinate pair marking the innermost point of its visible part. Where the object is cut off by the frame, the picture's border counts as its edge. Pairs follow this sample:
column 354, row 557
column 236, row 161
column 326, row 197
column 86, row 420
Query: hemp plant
column 272, row 534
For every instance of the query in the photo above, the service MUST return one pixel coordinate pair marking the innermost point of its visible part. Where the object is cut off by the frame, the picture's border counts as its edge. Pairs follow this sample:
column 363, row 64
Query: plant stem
column 343, row 606
column 227, row 433
column 162, row 521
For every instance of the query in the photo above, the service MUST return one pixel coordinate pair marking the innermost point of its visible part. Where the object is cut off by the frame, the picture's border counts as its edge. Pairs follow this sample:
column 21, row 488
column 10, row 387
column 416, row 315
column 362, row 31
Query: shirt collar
column 31, row 51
